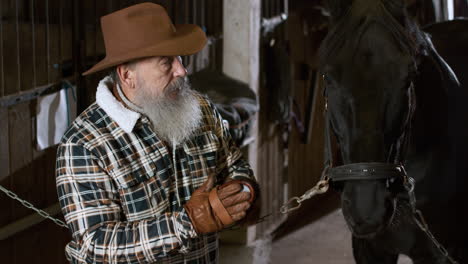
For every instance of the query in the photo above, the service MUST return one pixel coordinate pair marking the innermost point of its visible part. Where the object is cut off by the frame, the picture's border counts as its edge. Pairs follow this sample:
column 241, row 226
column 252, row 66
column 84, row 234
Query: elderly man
column 148, row 173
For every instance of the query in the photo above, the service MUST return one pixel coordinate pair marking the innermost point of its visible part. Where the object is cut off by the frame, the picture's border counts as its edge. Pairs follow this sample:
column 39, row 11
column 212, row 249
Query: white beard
column 173, row 120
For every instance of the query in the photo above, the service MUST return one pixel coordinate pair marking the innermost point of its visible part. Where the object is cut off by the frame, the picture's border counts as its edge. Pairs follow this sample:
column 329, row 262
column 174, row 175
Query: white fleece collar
column 124, row 117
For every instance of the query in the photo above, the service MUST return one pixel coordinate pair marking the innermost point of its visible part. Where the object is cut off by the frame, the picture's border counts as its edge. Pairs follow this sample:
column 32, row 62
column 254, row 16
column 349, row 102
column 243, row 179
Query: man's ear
column 126, row 74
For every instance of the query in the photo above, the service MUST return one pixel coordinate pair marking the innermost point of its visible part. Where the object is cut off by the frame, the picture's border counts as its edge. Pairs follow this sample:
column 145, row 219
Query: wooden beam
column 29, row 95
column 4, row 150
column 27, row 222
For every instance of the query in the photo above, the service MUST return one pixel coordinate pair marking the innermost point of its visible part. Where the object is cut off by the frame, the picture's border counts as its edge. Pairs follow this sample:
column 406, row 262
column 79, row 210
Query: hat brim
column 188, row 39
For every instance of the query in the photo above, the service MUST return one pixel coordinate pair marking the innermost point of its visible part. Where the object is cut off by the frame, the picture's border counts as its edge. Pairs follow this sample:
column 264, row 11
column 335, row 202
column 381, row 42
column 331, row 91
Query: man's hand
column 212, row 210
column 234, row 199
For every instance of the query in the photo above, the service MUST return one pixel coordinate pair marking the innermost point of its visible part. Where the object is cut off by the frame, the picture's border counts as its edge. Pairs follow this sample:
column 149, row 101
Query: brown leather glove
column 212, row 209
column 229, row 202
column 253, row 214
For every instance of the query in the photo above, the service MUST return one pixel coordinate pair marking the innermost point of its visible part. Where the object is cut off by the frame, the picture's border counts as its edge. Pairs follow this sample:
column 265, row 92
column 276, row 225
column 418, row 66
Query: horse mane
column 353, row 21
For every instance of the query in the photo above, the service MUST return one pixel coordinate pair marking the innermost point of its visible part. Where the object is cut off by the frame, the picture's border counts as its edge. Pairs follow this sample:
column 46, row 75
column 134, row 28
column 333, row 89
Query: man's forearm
column 135, row 242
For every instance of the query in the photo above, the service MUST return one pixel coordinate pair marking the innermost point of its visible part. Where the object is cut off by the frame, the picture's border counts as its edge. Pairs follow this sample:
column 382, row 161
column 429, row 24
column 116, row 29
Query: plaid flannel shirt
column 117, row 188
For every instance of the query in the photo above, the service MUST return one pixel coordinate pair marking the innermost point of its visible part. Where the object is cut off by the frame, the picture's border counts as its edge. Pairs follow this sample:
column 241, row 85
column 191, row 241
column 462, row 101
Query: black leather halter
column 365, row 171
column 370, row 170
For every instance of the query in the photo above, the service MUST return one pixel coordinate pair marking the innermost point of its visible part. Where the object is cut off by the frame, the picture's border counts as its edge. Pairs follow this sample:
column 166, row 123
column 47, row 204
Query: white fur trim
column 124, row 117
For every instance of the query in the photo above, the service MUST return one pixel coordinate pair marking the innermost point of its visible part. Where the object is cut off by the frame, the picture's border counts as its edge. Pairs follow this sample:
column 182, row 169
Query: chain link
column 409, row 184
column 28, row 205
column 418, row 217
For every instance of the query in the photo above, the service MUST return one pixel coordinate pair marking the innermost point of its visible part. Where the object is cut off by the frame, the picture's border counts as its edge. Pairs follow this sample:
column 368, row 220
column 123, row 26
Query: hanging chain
column 28, row 205
column 418, row 217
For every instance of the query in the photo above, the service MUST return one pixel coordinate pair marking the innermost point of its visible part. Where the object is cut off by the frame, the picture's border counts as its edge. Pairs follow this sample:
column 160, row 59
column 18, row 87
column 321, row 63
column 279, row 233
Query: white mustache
column 179, row 85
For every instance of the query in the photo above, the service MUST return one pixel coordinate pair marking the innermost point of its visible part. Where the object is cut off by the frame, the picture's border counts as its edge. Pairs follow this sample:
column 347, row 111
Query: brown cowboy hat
column 145, row 30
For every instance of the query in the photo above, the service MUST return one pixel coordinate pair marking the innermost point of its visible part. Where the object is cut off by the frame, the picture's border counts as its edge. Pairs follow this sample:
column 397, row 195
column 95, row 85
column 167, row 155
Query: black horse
column 398, row 112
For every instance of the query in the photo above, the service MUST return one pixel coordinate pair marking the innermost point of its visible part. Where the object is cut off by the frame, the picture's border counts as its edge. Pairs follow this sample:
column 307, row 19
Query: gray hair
column 115, row 76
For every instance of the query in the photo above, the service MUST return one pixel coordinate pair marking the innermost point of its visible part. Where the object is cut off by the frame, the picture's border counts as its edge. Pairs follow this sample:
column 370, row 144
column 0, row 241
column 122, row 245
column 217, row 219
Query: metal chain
column 28, row 205
column 320, row 188
column 418, row 217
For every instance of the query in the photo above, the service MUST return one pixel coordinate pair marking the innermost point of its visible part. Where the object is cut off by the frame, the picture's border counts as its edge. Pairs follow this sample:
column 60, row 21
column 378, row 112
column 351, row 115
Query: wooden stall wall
column 290, row 153
column 271, row 142
column 35, row 38
column 44, row 43
column 306, row 28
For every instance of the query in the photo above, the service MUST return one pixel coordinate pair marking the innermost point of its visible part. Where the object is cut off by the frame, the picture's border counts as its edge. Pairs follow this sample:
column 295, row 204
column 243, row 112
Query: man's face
column 158, row 74
column 164, row 94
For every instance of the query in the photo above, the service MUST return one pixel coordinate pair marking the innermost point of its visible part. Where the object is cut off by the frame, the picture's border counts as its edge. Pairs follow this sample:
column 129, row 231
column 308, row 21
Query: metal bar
column 111, row 6
column 450, row 11
column 47, row 40
column 273, row 8
column 18, row 47
column 219, row 32
column 187, row 12
column 262, row 9
column 174, row 5
column 79, row 54
column 193, row 58
column 26, row 222
column 33, row 32
column 31, row 94
column 195, row 13
column 202, row 14
column 60, row 31
column 95, row 28
column 1, row 52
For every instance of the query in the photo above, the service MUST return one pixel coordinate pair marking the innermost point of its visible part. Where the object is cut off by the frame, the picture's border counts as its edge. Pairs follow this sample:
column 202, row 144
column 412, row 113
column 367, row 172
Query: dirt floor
column 326, row 241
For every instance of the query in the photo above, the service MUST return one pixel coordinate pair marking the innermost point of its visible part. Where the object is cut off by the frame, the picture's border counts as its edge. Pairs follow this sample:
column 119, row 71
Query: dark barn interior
column 265, row 51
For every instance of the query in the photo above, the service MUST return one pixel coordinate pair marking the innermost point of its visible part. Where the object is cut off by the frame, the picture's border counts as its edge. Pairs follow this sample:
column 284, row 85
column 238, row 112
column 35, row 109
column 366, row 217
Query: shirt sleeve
column 91, row 206
column 232, row 163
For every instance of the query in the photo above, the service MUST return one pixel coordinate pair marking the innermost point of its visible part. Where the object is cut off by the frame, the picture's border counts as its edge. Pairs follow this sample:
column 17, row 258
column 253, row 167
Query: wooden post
column 241, row 47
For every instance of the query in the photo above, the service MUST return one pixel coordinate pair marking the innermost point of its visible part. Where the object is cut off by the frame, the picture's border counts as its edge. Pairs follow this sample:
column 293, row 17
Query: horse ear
column 338, row 8
column 449, row 78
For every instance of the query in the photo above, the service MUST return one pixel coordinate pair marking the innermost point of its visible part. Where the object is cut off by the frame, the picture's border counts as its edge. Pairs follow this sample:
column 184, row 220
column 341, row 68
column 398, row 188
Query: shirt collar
column 123, row 116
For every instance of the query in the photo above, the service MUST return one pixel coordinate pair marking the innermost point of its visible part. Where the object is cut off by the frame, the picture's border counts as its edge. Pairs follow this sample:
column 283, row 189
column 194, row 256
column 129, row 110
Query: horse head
column 369, row 61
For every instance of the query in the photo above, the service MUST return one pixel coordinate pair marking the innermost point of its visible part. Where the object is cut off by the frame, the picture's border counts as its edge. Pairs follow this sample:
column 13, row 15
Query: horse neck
column 430, row 128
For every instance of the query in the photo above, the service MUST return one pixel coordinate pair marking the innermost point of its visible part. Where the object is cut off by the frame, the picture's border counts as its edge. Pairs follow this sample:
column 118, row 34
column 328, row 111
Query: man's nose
column 178, row 67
